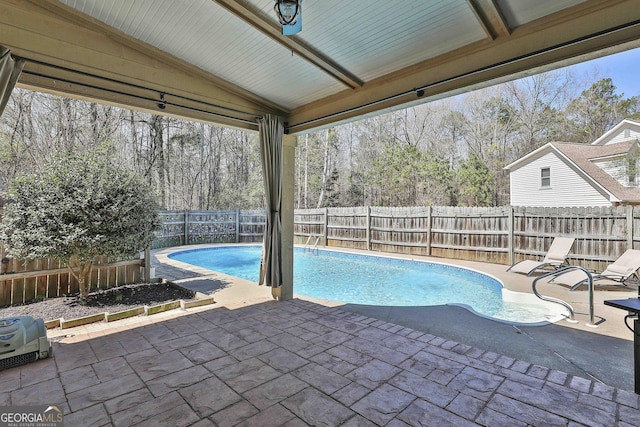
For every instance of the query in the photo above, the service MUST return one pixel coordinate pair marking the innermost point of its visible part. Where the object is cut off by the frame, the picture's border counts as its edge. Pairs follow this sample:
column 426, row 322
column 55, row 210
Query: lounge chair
column 556, row 257
column 622, row 272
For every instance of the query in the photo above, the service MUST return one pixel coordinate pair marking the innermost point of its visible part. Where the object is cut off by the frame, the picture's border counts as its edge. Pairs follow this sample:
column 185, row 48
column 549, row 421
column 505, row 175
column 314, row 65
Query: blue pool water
column 373, row 280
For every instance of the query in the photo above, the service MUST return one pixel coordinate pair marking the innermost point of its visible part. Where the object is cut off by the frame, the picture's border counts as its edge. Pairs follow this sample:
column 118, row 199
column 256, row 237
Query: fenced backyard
column 500, row 235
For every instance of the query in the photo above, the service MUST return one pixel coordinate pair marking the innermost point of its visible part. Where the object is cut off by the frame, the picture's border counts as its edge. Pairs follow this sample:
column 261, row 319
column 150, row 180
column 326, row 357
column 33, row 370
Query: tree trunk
column 306, row 171
column 157, row 137
column 81, row 273
column 325, row 170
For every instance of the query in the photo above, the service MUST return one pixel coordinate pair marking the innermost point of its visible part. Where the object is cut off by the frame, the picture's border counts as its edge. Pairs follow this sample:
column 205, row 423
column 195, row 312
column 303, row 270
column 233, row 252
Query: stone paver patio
column 299, row 363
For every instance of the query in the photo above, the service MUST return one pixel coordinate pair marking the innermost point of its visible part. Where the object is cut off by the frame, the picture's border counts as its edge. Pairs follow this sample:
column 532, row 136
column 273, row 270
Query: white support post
column 285, row 292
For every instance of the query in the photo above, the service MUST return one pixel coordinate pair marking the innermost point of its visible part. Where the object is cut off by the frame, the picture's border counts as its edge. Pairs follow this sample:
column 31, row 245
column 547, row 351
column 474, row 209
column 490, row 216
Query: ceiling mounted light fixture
column 287, row 11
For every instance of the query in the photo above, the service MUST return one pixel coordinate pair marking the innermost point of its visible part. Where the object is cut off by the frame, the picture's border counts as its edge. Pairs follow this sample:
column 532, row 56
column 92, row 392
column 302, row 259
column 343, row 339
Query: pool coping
column 558, row 313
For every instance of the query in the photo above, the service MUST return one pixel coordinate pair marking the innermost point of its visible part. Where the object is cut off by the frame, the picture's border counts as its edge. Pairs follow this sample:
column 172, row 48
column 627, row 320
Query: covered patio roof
column 227, row 62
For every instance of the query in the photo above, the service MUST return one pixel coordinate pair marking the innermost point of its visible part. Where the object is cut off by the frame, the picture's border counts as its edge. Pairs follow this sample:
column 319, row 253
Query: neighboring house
column 559, row 174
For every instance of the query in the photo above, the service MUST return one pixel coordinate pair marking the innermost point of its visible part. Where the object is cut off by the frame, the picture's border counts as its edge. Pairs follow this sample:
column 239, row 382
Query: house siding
column 617, row 169
column 568, row 188
column 620, row 136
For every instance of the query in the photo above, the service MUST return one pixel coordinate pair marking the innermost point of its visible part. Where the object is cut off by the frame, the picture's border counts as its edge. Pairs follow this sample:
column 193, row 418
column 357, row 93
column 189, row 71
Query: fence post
column 511, row 240
column 629, row 226
column 186, row 226
column 326, row 226
column 237, row 225
column 368, row 228
column 429, row 210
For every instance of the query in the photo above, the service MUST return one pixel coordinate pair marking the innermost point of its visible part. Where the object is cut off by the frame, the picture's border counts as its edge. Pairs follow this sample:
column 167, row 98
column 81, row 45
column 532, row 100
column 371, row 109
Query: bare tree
column 536, row 104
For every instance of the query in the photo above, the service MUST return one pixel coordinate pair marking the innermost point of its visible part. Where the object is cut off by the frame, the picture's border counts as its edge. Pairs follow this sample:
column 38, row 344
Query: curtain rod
column 160, row 101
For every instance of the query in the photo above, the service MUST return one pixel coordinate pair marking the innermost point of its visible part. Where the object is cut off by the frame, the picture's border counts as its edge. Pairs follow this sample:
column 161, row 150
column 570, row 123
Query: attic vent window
column 545, row 177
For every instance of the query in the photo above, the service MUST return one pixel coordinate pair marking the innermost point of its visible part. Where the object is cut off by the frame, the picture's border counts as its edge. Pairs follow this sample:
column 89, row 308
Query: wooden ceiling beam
column 490, row 18
column 62, row 82
column 245, row 11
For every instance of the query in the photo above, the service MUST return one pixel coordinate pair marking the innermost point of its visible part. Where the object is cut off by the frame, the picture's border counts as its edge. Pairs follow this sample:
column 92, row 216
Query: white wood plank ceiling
column 225, row 61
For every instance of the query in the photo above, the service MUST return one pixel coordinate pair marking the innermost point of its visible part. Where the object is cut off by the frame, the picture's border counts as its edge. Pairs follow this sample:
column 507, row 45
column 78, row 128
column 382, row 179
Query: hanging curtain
column 271, row 133
column 10, row 69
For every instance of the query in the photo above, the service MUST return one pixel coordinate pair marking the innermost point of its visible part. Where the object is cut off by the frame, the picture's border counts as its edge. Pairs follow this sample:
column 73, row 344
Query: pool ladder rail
column 312, row 249
column 565, row 304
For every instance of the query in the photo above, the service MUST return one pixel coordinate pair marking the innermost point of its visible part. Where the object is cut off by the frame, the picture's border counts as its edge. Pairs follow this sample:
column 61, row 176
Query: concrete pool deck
column 250, row 361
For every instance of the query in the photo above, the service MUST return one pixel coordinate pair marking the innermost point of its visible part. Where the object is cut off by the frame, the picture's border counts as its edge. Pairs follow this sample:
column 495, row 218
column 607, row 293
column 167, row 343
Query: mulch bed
column 112, row 300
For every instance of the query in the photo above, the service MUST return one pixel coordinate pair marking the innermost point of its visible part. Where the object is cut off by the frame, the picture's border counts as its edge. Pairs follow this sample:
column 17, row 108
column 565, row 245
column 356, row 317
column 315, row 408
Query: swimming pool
column 378, row 280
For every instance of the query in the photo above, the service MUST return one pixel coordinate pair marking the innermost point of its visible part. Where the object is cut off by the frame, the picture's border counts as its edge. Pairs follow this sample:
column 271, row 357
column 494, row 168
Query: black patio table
column 632, row 305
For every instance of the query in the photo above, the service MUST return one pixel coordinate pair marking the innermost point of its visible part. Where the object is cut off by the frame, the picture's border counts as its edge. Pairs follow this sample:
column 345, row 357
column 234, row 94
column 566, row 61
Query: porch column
column 289, row 144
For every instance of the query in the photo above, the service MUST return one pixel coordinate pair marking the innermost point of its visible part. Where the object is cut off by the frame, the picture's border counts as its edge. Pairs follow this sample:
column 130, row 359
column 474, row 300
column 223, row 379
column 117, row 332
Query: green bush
column 80, row 206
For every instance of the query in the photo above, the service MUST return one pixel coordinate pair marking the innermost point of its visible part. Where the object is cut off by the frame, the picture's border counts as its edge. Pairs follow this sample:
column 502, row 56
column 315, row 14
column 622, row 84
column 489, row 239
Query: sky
column 623, row 68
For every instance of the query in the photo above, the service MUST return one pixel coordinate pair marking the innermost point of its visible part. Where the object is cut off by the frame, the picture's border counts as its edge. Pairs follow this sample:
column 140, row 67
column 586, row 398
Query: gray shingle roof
column 584, row 155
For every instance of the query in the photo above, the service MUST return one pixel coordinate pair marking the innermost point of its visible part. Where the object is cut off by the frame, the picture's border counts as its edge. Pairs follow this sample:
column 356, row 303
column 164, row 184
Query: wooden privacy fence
column 21, row 282
column 194, row 227
column 501, row 235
